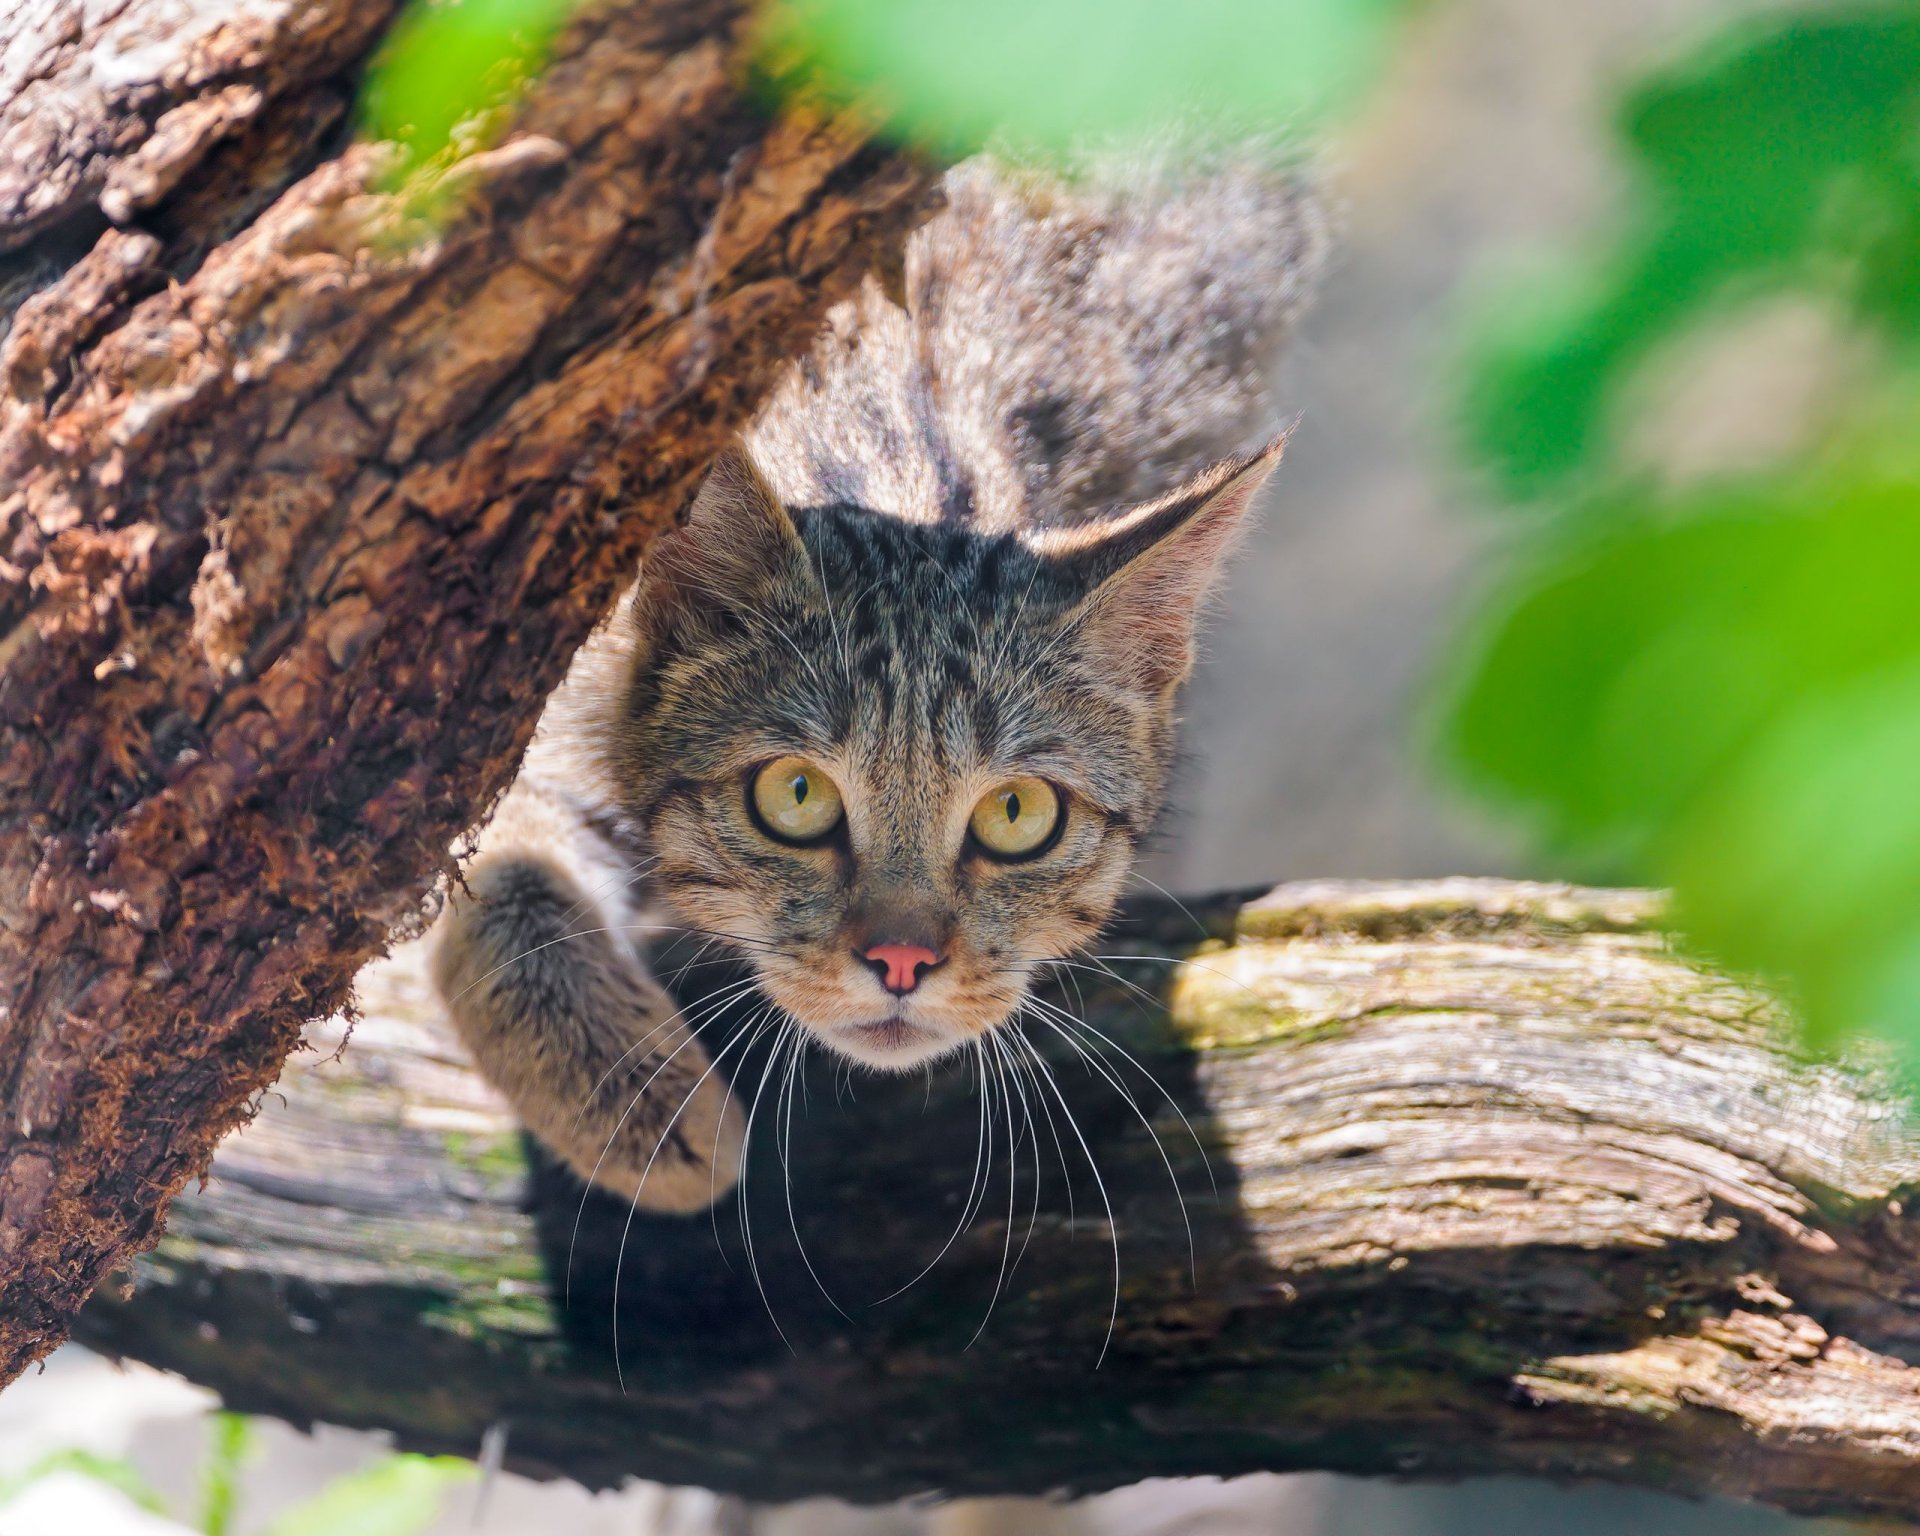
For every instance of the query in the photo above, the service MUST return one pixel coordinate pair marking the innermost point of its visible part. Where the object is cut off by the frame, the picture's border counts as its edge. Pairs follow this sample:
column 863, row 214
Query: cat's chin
column 893, row 1044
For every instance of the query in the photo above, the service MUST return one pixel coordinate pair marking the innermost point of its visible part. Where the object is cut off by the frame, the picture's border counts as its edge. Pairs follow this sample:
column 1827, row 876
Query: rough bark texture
column 302, row 511
column 1504, row 1185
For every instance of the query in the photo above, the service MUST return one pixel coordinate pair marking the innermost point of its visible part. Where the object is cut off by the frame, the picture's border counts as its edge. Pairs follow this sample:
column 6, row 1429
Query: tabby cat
column 890, row 713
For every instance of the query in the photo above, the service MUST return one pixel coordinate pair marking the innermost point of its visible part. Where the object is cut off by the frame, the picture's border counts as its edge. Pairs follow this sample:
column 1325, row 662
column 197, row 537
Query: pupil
column 800, row 789
column 1013, row 806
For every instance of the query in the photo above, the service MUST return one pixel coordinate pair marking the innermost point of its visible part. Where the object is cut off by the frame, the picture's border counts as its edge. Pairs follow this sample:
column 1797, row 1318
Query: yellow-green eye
column 1016, row 818
column 795, row 800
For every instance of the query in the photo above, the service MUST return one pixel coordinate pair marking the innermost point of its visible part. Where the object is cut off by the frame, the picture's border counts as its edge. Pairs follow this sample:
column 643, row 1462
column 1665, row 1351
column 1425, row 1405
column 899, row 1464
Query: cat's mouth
column 892, row 1041
column 845, row 1009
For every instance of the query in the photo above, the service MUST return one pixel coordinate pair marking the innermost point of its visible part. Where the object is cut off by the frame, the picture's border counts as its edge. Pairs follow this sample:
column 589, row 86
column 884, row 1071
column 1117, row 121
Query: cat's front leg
column 563, row 1017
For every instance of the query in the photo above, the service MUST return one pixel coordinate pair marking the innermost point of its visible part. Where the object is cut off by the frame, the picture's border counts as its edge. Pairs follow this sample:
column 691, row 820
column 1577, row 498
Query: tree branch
column 303, row 509
column 1503, row 1186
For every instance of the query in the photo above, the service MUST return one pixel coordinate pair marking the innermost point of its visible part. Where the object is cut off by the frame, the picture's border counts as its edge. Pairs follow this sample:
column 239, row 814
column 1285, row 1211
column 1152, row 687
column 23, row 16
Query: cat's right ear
column 1147, row 572
column 736, row 544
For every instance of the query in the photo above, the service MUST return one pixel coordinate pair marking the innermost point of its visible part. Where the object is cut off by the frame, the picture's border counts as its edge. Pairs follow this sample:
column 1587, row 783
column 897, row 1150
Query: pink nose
column 899, row 965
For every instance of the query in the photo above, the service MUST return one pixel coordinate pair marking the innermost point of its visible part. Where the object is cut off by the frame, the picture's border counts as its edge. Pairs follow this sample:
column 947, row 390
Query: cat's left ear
column 736, row 544
column 1147, row 572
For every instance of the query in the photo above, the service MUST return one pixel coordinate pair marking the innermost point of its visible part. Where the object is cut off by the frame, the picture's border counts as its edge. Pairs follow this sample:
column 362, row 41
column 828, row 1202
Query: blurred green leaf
column 1727, row 700
column 448, row 65
column 1789, row 151
column 114, row 1471
column 394, row 1497
column 1047, row 77
column 1806, row 862
column 220, row 1476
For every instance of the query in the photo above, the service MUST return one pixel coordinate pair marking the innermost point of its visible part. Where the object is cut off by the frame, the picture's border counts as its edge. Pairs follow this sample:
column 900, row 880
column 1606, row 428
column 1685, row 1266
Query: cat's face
column 900, row 767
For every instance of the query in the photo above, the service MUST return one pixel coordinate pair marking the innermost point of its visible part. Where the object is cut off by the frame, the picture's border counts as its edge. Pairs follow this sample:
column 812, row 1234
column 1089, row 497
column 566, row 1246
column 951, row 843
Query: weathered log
column 1504, row 1184
column 303, row 508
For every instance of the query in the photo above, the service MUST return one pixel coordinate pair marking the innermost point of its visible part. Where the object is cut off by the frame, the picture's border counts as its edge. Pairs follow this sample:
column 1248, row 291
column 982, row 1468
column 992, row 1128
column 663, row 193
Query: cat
column 888, row 715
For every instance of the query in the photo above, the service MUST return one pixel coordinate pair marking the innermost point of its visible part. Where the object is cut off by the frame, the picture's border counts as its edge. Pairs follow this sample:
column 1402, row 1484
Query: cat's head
column 897, row 766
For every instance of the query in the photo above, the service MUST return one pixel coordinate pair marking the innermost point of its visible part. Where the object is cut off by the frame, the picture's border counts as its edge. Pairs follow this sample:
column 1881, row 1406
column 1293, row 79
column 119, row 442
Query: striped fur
column 968, row 538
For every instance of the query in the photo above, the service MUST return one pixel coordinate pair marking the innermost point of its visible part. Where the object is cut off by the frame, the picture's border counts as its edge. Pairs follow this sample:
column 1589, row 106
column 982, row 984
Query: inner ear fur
column 1147, row 572
column 735, row 542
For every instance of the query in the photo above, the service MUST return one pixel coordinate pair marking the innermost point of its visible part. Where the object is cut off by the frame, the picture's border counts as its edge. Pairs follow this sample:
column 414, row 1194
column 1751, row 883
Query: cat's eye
column 1017, row 819
column 795, row 801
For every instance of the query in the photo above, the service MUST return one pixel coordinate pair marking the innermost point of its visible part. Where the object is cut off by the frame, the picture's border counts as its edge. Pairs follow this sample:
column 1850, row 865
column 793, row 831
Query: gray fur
column 1062, row 353
column 965, row 540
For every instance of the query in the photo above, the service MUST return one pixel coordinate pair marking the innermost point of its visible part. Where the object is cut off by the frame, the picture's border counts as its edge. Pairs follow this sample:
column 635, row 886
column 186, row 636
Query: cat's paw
column 564, row 1019
column 665, row 1135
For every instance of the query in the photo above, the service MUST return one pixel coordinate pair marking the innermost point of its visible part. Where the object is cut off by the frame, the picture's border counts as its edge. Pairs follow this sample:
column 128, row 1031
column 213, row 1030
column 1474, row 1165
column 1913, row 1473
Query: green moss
column 508, row 1307
column 1212, row 1009
column 499, row 1157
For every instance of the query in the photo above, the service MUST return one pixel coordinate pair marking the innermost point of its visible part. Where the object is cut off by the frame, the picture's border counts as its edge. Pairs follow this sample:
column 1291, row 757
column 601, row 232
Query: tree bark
column 303, row 508
column 1503, row 1185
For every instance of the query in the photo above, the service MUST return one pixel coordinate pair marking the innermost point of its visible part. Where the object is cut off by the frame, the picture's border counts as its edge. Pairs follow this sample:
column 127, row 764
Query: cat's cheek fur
column 951, row 551
column 791, row 909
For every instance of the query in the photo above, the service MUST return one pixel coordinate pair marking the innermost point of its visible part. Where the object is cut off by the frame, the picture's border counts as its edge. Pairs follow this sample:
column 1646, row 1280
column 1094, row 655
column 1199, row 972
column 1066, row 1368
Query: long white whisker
column 587, row 933
column 1013, row 1169
column 633, row 1207
column 793, row 1070
column 693, row 1033
column 1113, row 1227
column 679, row 973
column 705, row 1010
column 1139, row 1114
column 1185, row 910
column 1146, row 959
column 981, row 1143
column 1141, row 996
column 624, row 877
column 693, row 962
column 1012, row 1026
column 1014, row 1068
column 746, row 1214
column 1140, row 1067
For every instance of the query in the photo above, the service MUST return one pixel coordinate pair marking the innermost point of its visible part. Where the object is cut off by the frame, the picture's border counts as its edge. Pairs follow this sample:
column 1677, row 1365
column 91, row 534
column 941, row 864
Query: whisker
column 959, row 597
column 587, row 933
column 624, row 877
column 763, row 620
column 1014, row 1068
column 633, row 1207
column 981, row 1144
column 706, row 1008
column 1140, row 1067
column 1146, row 959
column 746, row 1213
column 1013, row 1168
column 1185, row 910
column 1139, row 1114
column 693, row 1033
column 672, row 979
column 1113, row 1227
column 786, row 1169
column 679, row 972
column 746, row 941
column 1141, row 996
column 1012, row 1027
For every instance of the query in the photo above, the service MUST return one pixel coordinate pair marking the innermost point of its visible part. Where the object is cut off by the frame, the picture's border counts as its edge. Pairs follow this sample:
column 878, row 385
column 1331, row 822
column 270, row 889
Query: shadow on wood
column 304, row 507
column 1503, row 1185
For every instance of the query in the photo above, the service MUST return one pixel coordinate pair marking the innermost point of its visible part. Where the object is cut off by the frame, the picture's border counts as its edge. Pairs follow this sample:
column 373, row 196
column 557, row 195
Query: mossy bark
column 303, row 508
column 1493, row 1181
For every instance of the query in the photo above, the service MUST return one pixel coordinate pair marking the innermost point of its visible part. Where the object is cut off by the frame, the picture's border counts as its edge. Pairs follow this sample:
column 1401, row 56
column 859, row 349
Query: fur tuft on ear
column 735, row 543
column 1147, row 572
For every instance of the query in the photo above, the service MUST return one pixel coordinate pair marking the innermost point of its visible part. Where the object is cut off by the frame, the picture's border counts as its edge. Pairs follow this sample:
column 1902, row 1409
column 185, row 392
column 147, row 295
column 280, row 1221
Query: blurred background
column 1616, row 288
